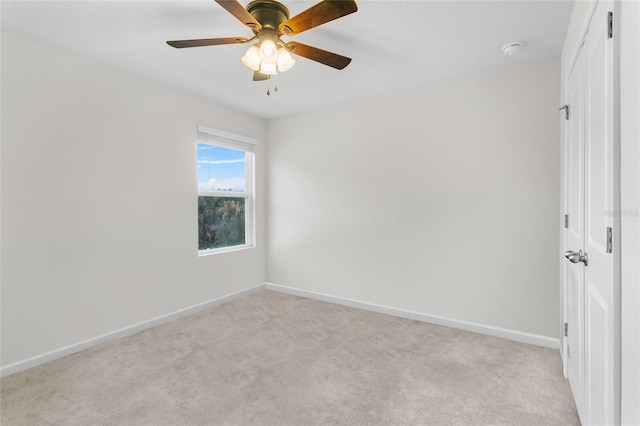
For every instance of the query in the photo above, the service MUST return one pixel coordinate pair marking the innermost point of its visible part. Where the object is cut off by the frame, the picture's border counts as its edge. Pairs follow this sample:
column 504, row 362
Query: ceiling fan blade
column 241, row 14
column 321, row 13
column 324, row 57
column 257, row 76
column 179, row 44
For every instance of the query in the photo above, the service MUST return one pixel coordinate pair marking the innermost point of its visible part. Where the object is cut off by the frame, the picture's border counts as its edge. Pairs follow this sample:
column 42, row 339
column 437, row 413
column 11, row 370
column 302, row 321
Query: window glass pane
column 220, row 169
column 220, row 222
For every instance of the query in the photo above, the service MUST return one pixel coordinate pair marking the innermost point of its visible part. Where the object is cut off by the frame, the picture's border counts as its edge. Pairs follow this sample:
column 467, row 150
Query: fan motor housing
column 269, row 13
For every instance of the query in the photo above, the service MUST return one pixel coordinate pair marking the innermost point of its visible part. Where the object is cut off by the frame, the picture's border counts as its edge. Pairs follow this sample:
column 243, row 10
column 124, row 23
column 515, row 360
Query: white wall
column 629, row 25
column 99, row 200
column 442, row 199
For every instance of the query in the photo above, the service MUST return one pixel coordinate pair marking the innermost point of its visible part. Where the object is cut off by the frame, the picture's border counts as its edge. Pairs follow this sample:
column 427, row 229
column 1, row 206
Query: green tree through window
column 221, row 222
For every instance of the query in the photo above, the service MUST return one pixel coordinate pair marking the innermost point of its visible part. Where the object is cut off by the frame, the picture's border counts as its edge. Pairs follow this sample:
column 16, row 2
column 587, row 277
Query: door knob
column 577, row 257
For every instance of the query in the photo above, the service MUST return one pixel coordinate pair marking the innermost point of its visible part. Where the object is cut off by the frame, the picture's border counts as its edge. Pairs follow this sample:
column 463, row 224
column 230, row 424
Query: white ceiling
column 394, row 44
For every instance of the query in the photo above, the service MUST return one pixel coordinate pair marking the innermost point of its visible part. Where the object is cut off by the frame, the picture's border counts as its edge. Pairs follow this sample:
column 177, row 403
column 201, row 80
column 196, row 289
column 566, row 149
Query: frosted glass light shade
column 268, row 52
column 285, row 61
column 251, row 59
column 269, row 69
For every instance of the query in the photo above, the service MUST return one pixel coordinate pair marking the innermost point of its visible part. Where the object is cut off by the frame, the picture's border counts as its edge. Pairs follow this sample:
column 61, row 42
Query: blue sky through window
column 220, row 169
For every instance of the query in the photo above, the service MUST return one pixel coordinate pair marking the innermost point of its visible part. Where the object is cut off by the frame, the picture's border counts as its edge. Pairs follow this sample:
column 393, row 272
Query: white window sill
column 219, row 250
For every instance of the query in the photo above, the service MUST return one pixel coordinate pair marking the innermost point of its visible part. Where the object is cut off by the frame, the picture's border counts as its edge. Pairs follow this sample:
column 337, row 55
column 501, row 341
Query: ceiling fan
column 269, row 21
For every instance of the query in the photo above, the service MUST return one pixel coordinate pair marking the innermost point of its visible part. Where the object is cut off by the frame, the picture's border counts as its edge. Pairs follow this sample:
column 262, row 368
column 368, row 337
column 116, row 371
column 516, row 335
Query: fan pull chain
column 275, row 86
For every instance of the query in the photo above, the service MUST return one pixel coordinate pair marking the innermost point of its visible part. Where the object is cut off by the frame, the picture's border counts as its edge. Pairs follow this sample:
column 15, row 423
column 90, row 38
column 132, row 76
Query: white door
column 591, row 296
column 574, row 273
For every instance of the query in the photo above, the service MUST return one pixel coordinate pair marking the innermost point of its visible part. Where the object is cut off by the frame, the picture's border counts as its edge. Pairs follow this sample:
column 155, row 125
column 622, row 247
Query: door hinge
column 566, row 220
column 566, row 329
column 610, row 26
column 566, row 111
column 609, row 240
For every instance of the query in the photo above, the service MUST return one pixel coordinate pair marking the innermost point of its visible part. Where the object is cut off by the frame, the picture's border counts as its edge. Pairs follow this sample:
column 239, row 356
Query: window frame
column 223, row 139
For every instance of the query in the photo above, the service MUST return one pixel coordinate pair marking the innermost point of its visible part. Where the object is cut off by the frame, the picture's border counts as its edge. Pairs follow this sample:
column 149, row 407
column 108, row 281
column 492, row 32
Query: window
column 225, row 191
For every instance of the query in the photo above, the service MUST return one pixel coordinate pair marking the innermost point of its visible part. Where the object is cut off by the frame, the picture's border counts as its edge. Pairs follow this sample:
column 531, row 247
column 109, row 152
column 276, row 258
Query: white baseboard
column 123, row 332
column 519, row 336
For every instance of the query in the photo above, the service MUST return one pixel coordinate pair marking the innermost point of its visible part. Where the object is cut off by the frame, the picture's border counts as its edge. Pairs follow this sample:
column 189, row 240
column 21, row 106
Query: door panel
column 598, row 379
column 575, row 354
column 574, row 164
column 599, row 320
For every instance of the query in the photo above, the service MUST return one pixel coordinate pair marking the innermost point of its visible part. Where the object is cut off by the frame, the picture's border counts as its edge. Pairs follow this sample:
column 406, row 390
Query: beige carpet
column 275, row 359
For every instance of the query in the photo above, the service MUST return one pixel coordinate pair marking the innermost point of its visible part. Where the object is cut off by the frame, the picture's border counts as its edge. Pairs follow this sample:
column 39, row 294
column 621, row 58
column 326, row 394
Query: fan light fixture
column 267, row 58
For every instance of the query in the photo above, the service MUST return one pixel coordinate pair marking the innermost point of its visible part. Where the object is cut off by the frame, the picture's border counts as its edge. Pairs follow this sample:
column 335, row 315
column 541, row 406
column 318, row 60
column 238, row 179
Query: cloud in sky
column 229, row 184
